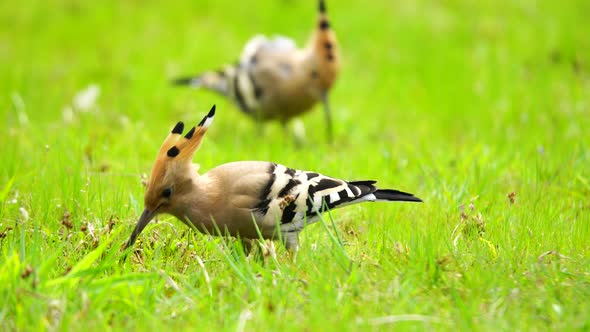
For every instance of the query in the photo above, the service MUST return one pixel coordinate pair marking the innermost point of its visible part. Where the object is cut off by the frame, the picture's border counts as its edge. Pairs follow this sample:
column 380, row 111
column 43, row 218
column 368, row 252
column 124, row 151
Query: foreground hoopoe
column 274, row 80
column 230, row 198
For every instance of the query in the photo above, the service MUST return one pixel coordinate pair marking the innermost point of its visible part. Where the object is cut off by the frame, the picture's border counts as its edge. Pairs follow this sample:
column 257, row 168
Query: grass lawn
column 481, row 108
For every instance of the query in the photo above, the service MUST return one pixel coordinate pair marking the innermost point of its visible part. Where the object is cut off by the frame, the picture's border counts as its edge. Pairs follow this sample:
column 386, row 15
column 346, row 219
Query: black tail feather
column 363, row 183
column 189, row 80
column 366, row 186
column 395, row 195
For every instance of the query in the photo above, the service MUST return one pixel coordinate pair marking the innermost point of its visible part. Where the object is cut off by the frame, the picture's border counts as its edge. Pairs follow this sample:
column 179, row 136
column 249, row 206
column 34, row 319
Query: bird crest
column 178, row 150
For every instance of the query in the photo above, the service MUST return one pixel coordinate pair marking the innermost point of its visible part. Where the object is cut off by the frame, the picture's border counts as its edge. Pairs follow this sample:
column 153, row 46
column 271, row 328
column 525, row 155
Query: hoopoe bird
column 274, row 80
column 245, row 199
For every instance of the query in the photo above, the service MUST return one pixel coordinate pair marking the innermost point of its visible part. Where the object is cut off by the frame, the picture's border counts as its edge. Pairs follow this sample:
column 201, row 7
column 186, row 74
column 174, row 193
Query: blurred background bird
column 275, row 80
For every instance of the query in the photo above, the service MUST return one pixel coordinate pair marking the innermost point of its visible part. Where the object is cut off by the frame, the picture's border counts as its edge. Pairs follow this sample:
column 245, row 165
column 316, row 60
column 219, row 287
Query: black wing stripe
column 288, row 213
column 257, row 89
column 290, row 185
column 264, row 194
column 311, row 175
column 327, row 183
column 290, row 171
column 343, row 198
column 361, row 188
column 263, row 206
column 238, row 93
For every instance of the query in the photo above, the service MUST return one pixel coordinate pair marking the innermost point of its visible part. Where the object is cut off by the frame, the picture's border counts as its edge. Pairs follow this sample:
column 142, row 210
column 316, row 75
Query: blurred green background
column 459, row 102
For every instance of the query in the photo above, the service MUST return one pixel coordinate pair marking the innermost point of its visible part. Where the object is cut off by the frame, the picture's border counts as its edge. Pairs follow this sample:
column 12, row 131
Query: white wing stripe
column 247, row 88
column 349, row 192
column 334, row 197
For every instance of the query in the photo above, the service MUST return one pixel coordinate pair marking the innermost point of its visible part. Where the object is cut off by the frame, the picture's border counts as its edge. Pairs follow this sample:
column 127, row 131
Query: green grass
column 460, row 102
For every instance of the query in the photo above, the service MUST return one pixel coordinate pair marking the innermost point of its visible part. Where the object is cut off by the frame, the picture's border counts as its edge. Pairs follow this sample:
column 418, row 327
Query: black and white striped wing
column 295, row 197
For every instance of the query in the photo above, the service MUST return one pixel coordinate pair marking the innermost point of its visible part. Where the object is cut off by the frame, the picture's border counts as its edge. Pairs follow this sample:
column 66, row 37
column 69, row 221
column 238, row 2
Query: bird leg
column 247, row 246
column 328, row 116
column 298, row 133
column 259, row 124
column 291, row 240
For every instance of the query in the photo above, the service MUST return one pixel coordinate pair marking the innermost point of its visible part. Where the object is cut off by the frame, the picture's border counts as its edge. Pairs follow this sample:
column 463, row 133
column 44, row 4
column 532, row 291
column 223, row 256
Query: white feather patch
column 331, row 190
column 281, row 180
column 334, row 197
column 349, row 192
column 369, row 197
column 252, row 47
column 247, row 89
column 317, row 203
column 208, row 122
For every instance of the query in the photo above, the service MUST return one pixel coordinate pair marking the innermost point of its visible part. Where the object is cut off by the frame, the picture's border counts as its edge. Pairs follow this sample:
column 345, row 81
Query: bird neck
column 324, row 49
column 195, row 203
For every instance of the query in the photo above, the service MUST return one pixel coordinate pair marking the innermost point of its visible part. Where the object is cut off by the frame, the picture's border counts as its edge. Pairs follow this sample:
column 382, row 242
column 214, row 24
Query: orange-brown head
column 172, row 174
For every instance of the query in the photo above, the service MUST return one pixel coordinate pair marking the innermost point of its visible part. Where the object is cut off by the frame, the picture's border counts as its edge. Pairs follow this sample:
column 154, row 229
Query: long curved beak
column 145, row 219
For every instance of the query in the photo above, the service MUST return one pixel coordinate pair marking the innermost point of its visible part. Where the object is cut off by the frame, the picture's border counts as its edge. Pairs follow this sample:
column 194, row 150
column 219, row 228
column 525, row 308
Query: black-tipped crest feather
column 209, row 115
column 190, row 133
column 322, row 6
column 211, row 112
column 178, row 128
column 173, row 152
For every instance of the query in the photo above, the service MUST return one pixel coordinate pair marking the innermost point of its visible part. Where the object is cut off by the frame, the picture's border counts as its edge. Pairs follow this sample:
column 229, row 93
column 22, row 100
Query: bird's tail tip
column 396, row 195
column 192, row 81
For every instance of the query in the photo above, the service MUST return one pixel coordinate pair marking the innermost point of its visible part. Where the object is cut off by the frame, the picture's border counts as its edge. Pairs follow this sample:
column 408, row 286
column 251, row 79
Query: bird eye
column 167, row 192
